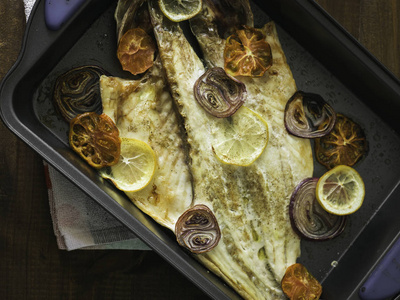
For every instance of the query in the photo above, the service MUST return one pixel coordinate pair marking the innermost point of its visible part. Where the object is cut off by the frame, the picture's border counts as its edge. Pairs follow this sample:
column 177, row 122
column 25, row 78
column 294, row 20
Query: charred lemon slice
column 340, row 191
column 136, row 51
column 180, row 10
column 346, row 144
column 135, row 168
column 241, row 138
column 298, row 283
column 247, row 53
column 95, row 138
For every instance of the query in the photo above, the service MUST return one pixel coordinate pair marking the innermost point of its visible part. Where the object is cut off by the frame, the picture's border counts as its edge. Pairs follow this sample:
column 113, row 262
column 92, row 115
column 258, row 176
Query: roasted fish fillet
column 250, row 203
column 287, row 159
column 143, row 109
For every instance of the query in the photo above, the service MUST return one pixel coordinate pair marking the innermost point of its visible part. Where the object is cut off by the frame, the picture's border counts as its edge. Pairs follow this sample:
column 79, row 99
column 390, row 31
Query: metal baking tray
column 324, row 59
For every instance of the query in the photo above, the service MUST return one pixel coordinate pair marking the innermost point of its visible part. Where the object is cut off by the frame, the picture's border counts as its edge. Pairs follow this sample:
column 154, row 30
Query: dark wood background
column 32, row 267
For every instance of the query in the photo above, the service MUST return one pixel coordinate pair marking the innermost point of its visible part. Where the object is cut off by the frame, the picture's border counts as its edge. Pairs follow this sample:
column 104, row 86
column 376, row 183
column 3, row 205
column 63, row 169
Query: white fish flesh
column 143, row 109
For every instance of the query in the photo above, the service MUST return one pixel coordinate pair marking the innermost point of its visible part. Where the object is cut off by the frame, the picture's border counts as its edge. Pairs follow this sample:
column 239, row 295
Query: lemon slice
column 241, row 138
column 180, row 10
column 135, row 168
column 341, row 190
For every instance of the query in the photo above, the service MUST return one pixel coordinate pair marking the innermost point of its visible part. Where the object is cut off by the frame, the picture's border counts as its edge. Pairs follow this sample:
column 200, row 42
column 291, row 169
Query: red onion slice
column 218, row 93
column 77, row 91
column 197, row 229
column 308, row 218
column 307, row 115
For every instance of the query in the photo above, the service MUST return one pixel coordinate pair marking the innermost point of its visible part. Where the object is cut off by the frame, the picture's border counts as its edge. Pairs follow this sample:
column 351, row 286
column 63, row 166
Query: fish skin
column 143, row 109
column 250, row 203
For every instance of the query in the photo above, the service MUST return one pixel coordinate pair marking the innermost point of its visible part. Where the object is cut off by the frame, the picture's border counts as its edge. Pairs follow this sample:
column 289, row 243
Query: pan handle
column 57, row 12
column 384, row 281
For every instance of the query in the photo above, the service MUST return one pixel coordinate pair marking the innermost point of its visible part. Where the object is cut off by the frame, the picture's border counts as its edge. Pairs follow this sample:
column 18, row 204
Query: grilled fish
column 288, row 159
column 250, row 203
column 143, row 109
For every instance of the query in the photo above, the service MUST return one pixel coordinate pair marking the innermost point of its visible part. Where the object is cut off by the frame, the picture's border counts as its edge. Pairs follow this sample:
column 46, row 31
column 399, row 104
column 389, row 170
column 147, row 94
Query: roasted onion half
column 77, row 91
column 308, row 218
column 307, row 115
column 197, row 229
column 218, row 93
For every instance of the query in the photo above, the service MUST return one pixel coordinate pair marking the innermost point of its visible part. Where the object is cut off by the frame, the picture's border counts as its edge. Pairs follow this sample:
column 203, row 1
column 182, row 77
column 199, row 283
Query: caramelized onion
column 197, row 229
column 307, row 216
column 218, row 93
column 77, row 91
column 307, row 115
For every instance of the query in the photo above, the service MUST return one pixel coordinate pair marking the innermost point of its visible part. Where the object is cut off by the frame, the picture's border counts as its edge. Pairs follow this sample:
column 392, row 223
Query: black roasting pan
column 324, row 59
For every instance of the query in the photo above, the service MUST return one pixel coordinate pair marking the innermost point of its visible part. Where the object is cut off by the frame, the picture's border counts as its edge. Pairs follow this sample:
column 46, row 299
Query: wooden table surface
column 32, row 267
